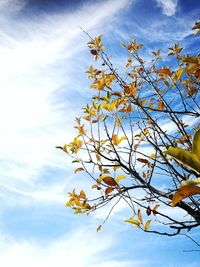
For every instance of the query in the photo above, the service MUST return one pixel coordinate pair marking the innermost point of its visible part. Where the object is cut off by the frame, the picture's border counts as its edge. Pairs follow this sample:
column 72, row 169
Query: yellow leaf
column 82, row 194
column 183, row 192
column 185, row 157
column 120, row 177
column 146, row 227
column 78, row 170
column 190, row 182
column 65, row 148
column 116, row 140
column 133, row 221
column 177, row 75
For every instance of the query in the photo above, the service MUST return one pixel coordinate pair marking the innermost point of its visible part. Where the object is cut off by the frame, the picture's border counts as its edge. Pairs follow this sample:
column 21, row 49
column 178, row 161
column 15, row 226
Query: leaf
column 140, row 216
column 177, row 75
column 183, row 192
column 190, row 182
column 120, row 177
column 143, row 160
column 82, row 194
column 129, row 108
column 133, row 221
column 99, row 228
column 78, row 170
column 95, row 186
column 146, row 226
column 164, row 71
column 196, row 144
column 160, row 105
column 116, row 167
column 109, row 181
column 122, row 44
column 108, row 190
column 148, row 211
column 155, row 209
column 93, row 52
column 185, row 157
column 116, row 140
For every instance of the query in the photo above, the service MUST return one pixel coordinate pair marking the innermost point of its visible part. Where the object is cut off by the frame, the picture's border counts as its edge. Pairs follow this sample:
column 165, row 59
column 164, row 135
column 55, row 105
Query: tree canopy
column 138, row 140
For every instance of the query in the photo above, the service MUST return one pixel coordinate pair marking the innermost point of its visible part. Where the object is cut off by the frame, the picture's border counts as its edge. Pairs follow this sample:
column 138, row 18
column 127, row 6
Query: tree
column 134, row 141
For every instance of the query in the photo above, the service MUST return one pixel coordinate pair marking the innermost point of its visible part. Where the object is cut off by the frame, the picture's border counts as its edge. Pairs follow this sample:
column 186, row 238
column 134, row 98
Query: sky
column 43, row 57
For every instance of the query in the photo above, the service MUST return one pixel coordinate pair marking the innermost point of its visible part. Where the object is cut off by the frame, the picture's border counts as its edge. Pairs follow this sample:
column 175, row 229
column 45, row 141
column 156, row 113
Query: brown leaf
column 78, row 170
column 108, row 190
column 142, row 160
column 148, row 211
column 109, row 181
column 93, row 52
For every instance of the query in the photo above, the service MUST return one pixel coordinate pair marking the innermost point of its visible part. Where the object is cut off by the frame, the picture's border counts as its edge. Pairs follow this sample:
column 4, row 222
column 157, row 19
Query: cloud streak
column 37, row 60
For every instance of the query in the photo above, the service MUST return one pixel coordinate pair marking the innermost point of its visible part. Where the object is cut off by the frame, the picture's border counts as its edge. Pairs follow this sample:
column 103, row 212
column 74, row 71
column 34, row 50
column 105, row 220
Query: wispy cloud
column 169, row 7
column 73, row 249
column 38, row 59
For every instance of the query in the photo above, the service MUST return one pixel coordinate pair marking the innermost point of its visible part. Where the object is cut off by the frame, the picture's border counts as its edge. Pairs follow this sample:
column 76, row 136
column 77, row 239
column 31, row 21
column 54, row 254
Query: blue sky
column 43, row 87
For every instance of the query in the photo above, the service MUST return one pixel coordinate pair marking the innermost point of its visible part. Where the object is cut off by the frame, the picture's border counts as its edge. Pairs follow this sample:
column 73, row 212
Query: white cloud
column 77, row 249
column 169, row 7
column 37, row 59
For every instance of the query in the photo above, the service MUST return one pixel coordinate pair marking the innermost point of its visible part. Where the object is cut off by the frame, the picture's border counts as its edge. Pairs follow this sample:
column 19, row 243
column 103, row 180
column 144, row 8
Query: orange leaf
column 164, row 71
column 160, row 105
column 155, row 209
column 183, row 192
column 139, row 216
column 129, row 108
column 146, row 227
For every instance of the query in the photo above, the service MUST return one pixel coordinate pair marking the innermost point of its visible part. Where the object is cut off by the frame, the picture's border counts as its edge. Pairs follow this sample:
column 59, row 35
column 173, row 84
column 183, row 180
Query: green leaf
column 190, row 182
column 196, row 144
column 185, row 157
column 99, row 228
column 123, row 44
